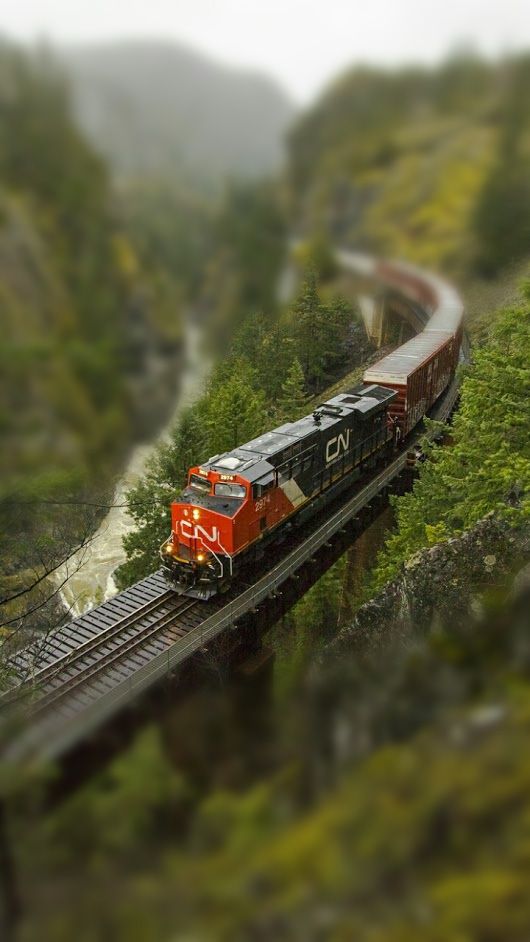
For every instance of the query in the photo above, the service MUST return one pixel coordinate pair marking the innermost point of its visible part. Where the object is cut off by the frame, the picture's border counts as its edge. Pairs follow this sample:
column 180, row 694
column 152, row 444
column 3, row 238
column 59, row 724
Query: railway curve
column 84, row 673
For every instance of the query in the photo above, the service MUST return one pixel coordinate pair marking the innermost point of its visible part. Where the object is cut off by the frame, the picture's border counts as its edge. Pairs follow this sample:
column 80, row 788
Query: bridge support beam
column 373, row 311
column 388, row 318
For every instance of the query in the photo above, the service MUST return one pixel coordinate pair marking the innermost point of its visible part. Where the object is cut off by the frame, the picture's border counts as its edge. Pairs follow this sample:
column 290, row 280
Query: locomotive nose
column 195, row 530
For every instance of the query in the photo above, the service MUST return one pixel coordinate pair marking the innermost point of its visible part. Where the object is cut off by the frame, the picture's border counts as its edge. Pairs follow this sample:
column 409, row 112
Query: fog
column 301, row 43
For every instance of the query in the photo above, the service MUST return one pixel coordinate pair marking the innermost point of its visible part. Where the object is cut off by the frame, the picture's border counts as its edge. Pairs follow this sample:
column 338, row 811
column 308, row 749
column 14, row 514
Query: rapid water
column 89, row 572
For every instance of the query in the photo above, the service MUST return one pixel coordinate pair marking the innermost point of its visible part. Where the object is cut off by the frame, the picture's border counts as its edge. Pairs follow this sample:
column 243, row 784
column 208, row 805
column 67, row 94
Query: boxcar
column 419, row 371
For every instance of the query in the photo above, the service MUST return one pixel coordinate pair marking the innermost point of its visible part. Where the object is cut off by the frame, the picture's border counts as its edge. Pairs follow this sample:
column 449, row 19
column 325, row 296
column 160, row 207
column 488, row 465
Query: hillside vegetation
column 84, row 313
column 427, row 165
column 486, row 466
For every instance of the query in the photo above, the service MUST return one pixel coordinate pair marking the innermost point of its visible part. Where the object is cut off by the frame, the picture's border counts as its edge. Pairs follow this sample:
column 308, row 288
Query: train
column 240, row 505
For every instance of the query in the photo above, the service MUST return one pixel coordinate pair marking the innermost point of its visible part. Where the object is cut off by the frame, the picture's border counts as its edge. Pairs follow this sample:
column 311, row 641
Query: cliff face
column 440, row 587
column 74, row 292
column 446, row 632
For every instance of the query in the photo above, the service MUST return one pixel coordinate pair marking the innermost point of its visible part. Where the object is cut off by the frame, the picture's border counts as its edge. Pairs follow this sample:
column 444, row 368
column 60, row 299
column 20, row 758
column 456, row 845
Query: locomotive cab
column 198, row 553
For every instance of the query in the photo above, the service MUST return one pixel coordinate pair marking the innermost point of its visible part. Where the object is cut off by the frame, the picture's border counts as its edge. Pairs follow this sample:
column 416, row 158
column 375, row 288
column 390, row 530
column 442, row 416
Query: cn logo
column 337, row 445
column 193, row 531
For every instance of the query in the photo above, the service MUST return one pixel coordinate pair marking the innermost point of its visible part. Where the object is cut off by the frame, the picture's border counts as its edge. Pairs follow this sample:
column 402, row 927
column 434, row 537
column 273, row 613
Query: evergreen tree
column 275, row 356
column 337, row 318
column 305, row 317
column 149, row 500
column 487, row 467
column 249, row 337
column 321, row 332
column 293, row 401
column 236, row 413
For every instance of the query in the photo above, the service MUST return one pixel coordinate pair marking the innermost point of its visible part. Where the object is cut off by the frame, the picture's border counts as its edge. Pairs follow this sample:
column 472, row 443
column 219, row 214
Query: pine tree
column 149, row 500
column 306, row 317
column 321, row 332
column 236, row 413
column 487, row 467
column 292, row 403
column 275, row 356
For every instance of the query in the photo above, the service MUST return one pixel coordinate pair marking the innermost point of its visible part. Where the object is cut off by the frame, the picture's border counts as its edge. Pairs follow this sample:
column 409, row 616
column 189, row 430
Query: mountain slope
column 162, row 109
column 425, row 164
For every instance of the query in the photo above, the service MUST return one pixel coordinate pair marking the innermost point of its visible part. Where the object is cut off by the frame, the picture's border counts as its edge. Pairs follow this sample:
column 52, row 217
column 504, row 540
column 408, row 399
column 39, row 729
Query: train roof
column 258, row 457
column 398, row 366
column 364, row 400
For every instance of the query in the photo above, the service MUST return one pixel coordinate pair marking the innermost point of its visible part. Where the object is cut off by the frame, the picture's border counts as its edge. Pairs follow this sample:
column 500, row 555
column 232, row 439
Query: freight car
column 419, row 371
column 239, row 503
column 422, row 367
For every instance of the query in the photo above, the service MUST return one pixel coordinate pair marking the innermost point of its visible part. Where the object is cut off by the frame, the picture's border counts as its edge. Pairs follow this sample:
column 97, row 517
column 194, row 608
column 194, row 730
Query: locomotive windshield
column 200, row 484
column 229, row 490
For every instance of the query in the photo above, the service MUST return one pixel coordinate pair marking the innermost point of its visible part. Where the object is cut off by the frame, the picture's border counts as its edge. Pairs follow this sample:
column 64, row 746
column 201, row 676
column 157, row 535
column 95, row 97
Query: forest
column 378, row 789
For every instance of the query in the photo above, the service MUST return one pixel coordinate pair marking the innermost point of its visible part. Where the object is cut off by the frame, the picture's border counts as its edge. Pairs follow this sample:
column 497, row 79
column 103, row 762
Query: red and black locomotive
column 237, row 504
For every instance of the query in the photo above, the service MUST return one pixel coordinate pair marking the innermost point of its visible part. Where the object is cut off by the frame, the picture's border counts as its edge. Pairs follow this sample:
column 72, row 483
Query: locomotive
column 238, row 505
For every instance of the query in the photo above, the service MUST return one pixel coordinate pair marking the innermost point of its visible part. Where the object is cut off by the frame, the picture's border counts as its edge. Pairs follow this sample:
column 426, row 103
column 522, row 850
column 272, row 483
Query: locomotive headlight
column 200, row 557
column 195, row 514
column 169, row 549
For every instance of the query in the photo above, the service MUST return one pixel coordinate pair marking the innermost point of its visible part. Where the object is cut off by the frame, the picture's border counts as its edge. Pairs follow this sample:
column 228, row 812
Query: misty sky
column 303, row 43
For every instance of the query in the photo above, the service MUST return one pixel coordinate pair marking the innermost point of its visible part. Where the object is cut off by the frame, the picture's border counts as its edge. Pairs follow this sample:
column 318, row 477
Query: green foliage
column 293, row 402
column 129, row 799
column 236, row 412
column 424, row 164
column 486, row 467
column 320, row 331
column 149, row 500
column 502, row 215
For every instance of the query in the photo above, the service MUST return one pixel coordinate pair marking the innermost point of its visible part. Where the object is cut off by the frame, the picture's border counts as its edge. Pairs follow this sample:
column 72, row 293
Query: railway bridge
column 79, row 688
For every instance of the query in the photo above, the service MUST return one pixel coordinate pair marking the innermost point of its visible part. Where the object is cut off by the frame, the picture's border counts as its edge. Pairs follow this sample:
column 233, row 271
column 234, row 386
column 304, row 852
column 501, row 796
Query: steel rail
column 46, row 698
column 48, row 671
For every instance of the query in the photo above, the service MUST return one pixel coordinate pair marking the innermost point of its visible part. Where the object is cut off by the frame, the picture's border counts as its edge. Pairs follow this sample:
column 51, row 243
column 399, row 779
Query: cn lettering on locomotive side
column 337, row 445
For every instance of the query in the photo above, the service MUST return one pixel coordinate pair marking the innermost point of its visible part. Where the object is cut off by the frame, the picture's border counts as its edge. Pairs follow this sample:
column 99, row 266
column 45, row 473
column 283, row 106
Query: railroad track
column 26, row 664
column 68, row 673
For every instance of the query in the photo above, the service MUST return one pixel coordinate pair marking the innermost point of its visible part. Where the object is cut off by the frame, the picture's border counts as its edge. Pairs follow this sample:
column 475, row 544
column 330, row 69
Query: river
column 89, row 572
